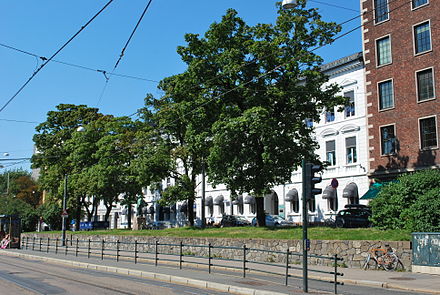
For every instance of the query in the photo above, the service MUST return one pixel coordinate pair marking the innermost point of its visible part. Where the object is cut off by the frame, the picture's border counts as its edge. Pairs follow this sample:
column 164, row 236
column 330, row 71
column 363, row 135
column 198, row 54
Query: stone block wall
column 263, row 250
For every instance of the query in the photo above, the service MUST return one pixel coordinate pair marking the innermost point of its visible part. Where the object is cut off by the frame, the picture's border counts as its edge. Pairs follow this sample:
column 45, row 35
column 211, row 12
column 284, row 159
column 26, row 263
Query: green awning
column 372, row 191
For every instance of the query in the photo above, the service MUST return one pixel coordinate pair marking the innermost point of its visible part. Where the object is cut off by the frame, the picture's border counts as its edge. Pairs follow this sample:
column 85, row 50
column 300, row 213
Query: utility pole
column 63, row 215
column 203, row 196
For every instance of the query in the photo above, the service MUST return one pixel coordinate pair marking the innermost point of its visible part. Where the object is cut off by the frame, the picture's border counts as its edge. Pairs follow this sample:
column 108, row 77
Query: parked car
column 274, row 221
column 233, row 220
column 354, row 216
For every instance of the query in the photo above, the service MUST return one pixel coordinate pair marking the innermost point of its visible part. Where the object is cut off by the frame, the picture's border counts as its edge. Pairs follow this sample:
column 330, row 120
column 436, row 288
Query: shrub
column 412, row 203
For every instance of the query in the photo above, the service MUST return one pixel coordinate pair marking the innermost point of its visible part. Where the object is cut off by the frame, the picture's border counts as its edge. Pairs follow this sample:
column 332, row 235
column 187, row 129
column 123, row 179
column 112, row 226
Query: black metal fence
column 208, row 255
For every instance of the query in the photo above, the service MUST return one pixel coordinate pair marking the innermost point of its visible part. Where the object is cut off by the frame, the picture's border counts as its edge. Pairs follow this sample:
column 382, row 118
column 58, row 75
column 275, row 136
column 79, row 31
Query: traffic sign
column 64, row 213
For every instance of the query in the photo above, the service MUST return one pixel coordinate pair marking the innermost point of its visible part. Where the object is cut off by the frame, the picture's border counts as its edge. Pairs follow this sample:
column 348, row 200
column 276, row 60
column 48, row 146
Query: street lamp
column 288, row 4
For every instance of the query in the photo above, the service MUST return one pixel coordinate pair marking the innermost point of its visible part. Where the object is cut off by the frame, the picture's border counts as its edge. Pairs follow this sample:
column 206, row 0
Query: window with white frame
column 388, row 140
column 418, row 3
column 381, row 12
column 330, row 115
column 350, row 147
column 425, row 85
column 386, row 95
column 332, row 203
column 350, row 107
column 383, row 51
column 422, row 37
column 428, row 133
column 330, row 151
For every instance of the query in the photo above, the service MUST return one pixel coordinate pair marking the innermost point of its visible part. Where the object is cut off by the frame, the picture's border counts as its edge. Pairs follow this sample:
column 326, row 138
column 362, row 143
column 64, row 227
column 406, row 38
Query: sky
column 42, row 27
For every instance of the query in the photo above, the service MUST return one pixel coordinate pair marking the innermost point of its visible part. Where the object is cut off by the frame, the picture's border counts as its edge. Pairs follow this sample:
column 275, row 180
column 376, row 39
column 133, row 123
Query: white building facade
column 342, row 139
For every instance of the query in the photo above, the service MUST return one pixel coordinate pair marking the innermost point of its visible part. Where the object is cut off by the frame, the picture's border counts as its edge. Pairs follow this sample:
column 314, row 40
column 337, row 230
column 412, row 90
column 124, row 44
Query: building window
column 309, row 123
column 386, row 95
column 425, row 85
column 349, row 108
column 388, row 140
column 350, row 146
column 331, row 152
column 380, row 10
column 422, row 37
column 332, row 204
column 240, row 208
column 330, row 116
column 294, row 206
column 418, row 3
column 383, row 49
column 253, row 208
column 312, row 204
column 428, row 133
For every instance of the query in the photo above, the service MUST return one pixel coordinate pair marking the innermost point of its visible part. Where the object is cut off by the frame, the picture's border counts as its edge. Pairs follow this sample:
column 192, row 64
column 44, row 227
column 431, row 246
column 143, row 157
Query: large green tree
column 53, row 151
column 243, row 101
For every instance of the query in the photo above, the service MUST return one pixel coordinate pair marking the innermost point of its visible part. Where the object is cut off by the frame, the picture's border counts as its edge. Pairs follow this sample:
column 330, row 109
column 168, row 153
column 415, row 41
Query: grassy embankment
column 314, row 233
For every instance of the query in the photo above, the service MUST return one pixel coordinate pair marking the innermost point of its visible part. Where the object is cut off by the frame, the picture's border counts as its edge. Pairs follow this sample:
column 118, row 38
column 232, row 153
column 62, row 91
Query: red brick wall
column 407, row 110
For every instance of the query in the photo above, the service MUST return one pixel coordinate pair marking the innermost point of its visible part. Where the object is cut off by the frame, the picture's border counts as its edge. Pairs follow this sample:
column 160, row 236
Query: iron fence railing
column 208, row 255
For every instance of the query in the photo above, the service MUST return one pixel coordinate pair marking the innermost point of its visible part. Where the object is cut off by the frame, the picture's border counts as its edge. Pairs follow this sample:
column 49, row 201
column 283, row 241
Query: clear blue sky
column 41, row 27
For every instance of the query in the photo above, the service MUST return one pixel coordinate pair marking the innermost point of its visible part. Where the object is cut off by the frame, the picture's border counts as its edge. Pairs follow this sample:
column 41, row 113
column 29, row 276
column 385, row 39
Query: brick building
column 402, row 60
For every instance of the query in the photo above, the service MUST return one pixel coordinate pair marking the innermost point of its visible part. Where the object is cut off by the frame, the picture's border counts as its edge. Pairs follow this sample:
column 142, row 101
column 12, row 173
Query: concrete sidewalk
column 258, row 285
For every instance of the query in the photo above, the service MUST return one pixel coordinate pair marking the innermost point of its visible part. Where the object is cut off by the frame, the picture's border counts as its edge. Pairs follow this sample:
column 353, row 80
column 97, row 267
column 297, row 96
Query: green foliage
column 51, row 214
column 13, row 206
column 412, row 203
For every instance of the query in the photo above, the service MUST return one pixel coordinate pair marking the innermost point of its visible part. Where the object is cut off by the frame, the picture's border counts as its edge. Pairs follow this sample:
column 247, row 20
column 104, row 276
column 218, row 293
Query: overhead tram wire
column 43, row 58
column 53, row 55
column 123, row 52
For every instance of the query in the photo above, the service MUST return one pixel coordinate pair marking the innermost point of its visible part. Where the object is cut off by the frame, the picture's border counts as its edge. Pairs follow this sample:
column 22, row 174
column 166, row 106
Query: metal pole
column 64, row 209
column 203, row 196
column 336, row 273
column 180, row 255
column 76, row 250
column 209, row 258
column 48, row 243
column 88, row 249
column 305, row 195
column 102, row 249
column 117, row 250
column 56, row 246
column 244, row 261
column 287, row 266
column 135, row 251
column 156, row 253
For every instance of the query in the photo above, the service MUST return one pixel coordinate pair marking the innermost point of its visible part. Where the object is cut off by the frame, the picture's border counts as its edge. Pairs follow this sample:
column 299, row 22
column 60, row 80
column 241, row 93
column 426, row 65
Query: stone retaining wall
column 353, row 252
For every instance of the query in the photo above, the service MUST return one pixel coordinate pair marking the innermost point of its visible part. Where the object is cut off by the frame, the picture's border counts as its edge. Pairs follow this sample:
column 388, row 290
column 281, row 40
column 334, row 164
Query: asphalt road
column 19, row 276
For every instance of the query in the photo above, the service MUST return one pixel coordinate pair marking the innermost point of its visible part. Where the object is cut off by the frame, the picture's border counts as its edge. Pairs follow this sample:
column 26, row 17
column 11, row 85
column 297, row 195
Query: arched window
column 292, row 197
column 331, row 195
column 351, row 193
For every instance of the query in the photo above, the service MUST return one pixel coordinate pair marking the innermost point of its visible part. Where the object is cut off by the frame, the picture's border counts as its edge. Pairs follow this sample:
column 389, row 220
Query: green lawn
column 315, row 233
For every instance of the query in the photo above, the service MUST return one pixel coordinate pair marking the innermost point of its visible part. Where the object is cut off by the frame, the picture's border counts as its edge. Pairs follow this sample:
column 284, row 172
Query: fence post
column 244, row 260
column 336, row 273
column 117, row 250
column 88, row 250
column 71, row 240
column 135, row 251
column 156, row 253
column 181, row 254
column 287, row 266
column 102, row 249
column 56, row 246
column 48, row 243
column 67, row 246
column 41, row 242
column 33, row 243
column 209, row 258
column 27, row 242
column 76, row 250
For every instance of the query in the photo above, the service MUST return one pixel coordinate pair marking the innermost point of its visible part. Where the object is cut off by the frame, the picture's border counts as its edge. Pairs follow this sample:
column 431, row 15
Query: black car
column 354, row 216
column 232, row 220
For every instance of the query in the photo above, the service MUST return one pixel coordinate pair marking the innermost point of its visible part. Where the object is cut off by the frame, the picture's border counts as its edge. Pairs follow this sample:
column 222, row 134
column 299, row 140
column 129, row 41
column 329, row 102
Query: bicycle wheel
column 391, row 261
column 370, row 263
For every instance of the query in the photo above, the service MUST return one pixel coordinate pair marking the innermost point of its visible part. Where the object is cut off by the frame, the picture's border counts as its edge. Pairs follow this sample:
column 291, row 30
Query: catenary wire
column 53, row 55
column 43, row 58
column 123, row 51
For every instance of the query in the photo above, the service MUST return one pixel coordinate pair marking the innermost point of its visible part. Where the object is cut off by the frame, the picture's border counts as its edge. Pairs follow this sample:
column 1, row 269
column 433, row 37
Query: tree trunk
column 129, row 216
column 261, row 216
column 78, row 212
column 190, row 212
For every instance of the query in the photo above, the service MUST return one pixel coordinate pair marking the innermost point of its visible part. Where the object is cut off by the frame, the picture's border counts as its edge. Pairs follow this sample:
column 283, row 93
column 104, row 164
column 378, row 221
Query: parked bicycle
column 386, row 259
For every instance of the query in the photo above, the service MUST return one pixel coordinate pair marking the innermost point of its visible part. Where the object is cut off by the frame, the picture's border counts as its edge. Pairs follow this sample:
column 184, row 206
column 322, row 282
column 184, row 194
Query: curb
column 150, row 275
